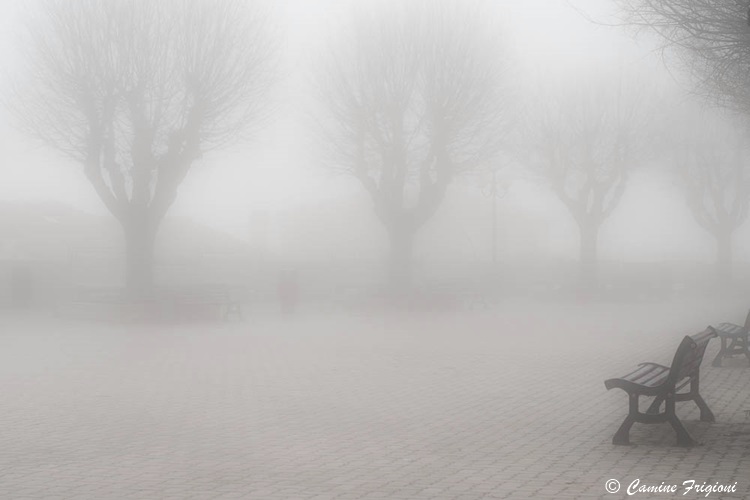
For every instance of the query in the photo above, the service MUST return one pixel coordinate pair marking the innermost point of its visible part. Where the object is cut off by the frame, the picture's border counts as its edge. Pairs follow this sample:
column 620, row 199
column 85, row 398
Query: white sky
column 278, row 172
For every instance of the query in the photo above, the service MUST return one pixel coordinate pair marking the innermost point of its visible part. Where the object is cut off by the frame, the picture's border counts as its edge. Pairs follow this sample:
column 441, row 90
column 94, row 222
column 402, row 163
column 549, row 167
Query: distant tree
column 711, row 154
column 584, row 141
column 712, row 37
column 415, row 95
column 136, row 91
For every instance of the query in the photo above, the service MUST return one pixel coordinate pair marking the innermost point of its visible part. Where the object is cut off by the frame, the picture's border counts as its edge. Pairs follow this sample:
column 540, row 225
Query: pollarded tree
column 711, row 154
column 584, row 140
column 136, row 91
column 415, row 95
column 711, row 36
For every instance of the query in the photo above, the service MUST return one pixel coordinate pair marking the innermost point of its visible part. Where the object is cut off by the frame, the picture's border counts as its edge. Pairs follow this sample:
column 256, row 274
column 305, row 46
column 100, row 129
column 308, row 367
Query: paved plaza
column 502, row 403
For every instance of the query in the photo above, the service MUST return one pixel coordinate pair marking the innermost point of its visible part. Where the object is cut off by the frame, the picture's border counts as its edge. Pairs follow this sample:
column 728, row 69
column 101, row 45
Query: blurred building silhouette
column 48, row 251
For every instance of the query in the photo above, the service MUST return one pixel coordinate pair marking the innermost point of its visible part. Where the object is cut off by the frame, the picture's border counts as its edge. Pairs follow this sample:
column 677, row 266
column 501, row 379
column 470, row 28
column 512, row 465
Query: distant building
column 48, row 250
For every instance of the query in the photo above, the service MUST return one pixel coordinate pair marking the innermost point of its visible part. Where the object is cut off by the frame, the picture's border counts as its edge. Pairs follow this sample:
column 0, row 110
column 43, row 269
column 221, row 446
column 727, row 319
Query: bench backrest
column 687, row 360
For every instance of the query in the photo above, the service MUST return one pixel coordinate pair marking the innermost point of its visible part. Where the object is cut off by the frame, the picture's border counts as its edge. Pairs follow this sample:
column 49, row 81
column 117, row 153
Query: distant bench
column 734, row 340
column 663, row 383
column 186, row 300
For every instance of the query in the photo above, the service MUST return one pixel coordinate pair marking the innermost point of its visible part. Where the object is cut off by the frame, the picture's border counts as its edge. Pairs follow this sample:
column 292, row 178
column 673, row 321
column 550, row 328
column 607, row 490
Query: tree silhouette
column 584, row 140
column 414, row 95
column 711, row 153
column 137, row 91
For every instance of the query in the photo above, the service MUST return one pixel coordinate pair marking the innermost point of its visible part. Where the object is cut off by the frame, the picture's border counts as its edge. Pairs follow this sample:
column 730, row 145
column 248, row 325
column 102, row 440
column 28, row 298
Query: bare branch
column 583, row 140
column 414, row 96
column 711, row 153
column 711, row 37
column 137, row 90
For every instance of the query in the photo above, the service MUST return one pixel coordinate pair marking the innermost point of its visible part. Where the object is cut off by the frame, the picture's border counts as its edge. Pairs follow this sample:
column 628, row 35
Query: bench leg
column 654, row 407
column 720, row 355
column 622, row 436
column 683, row 436
column 744, row 348
column 706, row 414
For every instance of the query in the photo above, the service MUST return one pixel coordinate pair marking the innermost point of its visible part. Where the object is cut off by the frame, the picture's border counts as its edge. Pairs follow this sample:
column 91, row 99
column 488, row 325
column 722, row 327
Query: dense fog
column 366, row 240
column 278, row 173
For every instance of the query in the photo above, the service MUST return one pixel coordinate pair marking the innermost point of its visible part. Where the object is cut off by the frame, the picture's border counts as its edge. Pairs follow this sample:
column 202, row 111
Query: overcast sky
column 279, row 172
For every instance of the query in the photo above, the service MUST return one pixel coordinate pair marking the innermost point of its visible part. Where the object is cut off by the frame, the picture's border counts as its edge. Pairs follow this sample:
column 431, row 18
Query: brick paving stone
column 505, row 403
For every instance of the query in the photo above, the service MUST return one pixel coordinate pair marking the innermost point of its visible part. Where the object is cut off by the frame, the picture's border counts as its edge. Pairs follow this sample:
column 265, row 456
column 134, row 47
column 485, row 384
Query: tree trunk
column 724, row 256
column 588, row 257
column 140, row 237
column 400, row 260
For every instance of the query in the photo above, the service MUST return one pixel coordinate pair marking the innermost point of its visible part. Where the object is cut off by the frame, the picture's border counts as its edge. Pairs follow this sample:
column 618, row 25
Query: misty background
column 371, row 248
column 276, row 194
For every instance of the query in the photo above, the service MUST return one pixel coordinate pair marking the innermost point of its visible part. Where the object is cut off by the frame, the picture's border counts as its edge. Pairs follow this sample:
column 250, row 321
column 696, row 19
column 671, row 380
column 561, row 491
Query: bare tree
column 415, row 95
column 136, row 91
column 711, row 36
column 712, row 155
column 584, row 141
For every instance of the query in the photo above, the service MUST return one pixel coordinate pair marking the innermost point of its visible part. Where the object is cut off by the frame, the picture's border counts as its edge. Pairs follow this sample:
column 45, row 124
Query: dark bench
column 734, row 340
column 663, row 383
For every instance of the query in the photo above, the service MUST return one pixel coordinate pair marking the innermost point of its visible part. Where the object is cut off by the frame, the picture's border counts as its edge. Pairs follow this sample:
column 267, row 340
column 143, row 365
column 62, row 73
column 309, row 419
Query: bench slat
column 648, row 374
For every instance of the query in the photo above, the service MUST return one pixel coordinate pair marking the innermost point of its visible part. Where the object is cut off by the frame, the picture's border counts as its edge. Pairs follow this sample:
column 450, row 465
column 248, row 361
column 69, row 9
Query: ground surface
column 508, row 403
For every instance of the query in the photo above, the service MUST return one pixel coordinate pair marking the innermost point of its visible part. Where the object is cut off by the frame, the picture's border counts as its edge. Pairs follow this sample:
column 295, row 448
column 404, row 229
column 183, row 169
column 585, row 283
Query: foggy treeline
column 425, row 150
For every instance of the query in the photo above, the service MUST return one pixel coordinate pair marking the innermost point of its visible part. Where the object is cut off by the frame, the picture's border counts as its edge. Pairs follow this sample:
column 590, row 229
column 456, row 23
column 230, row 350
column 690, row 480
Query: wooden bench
column 734, row 340
column 663, row 383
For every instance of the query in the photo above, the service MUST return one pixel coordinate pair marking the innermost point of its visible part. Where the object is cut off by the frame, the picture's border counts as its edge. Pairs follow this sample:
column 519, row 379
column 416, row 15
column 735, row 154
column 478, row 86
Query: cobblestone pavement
column 508, row 403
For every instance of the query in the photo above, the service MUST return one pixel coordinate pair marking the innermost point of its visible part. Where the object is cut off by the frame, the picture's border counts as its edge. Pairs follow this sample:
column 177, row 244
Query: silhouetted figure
column 288, row 291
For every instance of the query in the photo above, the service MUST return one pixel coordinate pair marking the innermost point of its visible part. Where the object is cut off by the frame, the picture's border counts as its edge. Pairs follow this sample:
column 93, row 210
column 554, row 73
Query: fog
column 278, row 171
column 300, row 225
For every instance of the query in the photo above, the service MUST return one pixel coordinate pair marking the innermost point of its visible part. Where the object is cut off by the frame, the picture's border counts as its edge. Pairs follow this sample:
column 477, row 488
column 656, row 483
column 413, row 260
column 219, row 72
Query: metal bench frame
column 734, row 340
column 663, row 383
